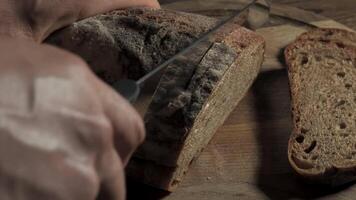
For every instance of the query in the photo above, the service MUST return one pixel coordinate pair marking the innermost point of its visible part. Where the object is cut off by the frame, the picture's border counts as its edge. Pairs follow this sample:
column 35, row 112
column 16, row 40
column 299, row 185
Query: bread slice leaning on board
column 322, row 73
column 192, row 99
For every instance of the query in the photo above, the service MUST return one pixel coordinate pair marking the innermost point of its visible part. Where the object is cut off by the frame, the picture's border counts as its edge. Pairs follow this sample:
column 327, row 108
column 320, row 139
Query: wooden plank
column 247, row 159
column 343, row 11
column 278, row 37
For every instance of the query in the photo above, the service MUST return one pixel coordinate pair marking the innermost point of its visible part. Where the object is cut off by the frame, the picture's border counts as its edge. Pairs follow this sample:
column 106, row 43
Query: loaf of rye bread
column 192, row 99
column 322, row 72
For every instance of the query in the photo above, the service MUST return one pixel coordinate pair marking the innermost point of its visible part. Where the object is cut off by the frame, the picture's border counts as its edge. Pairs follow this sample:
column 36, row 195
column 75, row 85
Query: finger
column 128, row 126
column 92, row 8
column 112, row 185
column 52, row 20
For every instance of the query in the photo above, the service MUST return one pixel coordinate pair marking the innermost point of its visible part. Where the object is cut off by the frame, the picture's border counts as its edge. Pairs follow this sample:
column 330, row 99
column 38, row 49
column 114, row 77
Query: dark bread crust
column 329, row 171
column 130, row 42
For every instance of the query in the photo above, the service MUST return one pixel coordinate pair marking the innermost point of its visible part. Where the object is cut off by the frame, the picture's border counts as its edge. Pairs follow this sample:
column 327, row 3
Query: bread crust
column 130, row 43
column 330, row 34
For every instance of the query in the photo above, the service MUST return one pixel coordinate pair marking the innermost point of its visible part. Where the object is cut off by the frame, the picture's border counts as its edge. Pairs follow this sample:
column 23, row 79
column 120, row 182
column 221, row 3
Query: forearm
column 36, row 19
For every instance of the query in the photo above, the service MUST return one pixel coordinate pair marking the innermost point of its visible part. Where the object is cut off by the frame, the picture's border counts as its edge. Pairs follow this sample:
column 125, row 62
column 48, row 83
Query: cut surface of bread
column 192, row 99
column 322, row 75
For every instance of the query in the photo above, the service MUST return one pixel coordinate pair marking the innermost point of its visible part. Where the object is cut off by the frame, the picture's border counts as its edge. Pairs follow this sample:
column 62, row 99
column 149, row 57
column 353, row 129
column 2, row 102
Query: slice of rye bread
column 192, row 99
column 339, row 36
column 322, row 74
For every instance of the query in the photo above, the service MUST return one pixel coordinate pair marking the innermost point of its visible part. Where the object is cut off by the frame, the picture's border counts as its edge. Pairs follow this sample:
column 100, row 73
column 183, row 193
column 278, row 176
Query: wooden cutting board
column 247, row 158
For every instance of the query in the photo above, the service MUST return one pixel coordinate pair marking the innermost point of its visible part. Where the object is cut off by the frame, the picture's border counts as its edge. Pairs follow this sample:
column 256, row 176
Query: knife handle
column 129, row 89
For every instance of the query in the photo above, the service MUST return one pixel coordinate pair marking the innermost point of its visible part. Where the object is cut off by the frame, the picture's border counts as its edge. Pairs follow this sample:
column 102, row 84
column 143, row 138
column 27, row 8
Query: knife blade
column 130, row 89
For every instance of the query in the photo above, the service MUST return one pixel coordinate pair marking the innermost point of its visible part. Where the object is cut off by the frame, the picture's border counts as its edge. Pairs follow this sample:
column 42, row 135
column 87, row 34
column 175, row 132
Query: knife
column 130, row 89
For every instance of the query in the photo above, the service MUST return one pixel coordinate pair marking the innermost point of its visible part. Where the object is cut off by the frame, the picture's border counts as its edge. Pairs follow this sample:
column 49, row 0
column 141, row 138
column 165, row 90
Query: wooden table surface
column 247, row 159
column 343, row 11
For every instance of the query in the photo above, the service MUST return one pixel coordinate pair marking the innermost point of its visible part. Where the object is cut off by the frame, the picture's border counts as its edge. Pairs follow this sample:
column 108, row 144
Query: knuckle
column 105, row 130
column 76, row 63
column 98, row 133
column 103, row 125
column 82, row 176
column 137, row 126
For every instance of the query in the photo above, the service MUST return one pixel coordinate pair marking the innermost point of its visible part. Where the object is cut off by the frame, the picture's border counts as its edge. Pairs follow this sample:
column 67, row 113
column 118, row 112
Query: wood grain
column 343, row 11
column 247, row 158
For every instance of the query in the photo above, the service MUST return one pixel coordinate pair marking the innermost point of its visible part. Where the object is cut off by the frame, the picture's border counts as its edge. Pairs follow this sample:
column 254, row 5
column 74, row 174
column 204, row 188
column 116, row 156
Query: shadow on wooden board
column 275, row 178
column 136, row 190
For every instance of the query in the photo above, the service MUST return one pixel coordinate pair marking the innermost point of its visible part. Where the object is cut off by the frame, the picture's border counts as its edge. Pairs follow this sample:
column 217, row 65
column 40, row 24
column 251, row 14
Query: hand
column 63, row 133
column 36, row 19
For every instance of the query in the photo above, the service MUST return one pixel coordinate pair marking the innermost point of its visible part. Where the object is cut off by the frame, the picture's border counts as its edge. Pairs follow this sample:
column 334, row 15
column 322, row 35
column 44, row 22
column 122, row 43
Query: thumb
column 94, row 7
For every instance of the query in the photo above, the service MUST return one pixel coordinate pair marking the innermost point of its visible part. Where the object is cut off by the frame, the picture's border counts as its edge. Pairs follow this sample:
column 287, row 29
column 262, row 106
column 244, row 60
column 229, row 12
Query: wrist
column 11, row 25
column 32, row 20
